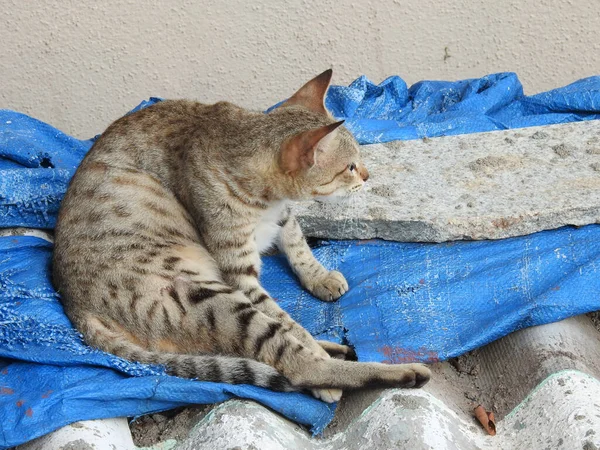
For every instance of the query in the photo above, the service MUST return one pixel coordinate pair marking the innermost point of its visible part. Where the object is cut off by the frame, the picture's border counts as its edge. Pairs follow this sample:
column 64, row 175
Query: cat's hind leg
column 242, row 330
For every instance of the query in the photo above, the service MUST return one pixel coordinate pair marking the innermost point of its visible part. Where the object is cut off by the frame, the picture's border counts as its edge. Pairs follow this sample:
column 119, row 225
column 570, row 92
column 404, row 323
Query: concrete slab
column 477, row 186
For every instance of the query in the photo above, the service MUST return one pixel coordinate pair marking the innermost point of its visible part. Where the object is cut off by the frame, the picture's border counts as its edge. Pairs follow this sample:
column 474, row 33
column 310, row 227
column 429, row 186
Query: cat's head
column 319, row 157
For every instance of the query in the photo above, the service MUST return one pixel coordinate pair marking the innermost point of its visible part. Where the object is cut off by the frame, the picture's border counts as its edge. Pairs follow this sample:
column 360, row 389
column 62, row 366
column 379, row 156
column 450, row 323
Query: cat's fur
column 159, row 236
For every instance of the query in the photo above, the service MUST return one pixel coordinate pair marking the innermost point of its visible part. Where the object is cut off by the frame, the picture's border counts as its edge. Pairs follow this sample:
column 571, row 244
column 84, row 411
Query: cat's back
column 152, row 141
column 120, row 201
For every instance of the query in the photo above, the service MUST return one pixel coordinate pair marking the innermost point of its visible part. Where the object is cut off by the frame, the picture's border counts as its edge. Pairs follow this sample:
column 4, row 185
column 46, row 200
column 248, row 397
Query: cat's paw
column 418, row 375
column 329, row 287
column 422, row 376
column 327, row 395
column 338, row 351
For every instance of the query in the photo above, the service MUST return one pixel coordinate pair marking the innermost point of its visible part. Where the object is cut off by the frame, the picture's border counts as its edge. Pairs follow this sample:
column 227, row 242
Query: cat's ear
column 300, row 151
column 312, row 94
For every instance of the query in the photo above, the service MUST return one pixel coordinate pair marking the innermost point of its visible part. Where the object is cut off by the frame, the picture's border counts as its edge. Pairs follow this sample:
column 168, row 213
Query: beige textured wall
column 80, row 64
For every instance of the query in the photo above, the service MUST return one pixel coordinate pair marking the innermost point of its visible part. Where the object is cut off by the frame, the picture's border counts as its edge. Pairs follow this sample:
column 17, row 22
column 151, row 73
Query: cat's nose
column 364, row 173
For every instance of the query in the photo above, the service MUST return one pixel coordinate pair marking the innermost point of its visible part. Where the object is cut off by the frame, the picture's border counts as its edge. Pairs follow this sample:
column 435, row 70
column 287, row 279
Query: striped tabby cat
column 159, row 236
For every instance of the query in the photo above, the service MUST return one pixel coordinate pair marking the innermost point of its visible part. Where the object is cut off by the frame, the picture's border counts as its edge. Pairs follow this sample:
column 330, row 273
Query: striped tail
column 221, row 369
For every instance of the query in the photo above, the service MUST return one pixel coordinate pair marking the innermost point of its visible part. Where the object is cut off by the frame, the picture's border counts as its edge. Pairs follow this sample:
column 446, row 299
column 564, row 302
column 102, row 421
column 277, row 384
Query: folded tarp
column 407, row 302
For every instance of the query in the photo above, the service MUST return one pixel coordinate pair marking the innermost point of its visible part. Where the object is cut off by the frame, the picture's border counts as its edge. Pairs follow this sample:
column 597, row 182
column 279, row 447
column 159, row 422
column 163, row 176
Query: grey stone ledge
column 470, row 187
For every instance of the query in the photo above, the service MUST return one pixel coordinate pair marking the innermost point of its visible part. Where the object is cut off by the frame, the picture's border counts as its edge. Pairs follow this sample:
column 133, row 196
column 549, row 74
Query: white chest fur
column 267, row 229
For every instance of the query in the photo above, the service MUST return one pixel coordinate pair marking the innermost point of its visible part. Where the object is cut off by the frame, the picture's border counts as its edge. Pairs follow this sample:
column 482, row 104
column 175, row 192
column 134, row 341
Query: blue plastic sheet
column 429, row 302
column 50, row 378
column 391, row 111
column 407, row 302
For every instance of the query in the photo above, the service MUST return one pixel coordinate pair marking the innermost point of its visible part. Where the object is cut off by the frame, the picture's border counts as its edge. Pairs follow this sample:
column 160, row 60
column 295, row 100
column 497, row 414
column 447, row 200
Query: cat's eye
column 352, row 167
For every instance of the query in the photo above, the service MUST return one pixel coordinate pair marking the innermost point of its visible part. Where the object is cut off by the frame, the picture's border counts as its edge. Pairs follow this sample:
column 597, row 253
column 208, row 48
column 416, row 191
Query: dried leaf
column 487, row 420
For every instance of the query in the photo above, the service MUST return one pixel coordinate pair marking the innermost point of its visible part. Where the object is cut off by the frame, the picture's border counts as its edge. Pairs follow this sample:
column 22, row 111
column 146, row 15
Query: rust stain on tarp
column 398, row 355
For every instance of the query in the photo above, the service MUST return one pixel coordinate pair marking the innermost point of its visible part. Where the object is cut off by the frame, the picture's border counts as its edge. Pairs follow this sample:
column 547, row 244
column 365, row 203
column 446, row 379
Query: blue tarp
column 407, row 302
column 391, row 111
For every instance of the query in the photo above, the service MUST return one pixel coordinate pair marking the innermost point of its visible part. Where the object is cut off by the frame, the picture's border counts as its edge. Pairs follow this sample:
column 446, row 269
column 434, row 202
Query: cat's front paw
column 329, row 287
column 327, row 395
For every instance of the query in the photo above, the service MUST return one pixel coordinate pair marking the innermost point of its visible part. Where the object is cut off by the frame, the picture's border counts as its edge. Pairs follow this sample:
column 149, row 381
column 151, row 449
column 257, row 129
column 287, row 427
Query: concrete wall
column 80, row 64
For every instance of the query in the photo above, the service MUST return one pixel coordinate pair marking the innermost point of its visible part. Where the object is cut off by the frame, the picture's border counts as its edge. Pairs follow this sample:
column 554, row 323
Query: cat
column 159, row 237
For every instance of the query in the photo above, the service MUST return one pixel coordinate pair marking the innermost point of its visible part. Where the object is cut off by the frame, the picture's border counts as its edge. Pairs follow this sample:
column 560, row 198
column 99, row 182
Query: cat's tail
column 221, row 369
